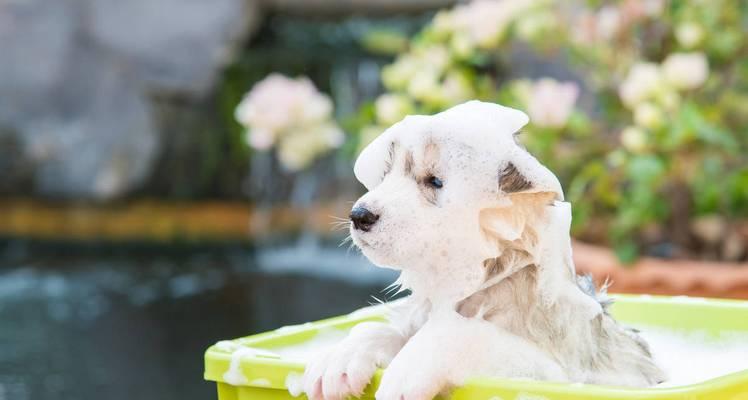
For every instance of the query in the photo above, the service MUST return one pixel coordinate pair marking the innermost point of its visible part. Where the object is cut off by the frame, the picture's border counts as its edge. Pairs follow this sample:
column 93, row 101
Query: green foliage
column 663, row 137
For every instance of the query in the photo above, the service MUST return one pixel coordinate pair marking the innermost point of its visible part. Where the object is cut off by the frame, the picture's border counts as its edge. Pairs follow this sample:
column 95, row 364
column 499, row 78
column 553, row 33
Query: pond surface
column 133, row 324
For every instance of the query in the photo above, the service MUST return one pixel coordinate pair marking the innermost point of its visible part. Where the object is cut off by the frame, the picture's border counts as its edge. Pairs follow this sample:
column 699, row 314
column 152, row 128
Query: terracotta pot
column 659, row 276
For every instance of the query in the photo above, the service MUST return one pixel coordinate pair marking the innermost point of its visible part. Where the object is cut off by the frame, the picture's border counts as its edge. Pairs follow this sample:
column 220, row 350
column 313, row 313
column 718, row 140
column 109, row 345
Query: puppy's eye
column 434, row 182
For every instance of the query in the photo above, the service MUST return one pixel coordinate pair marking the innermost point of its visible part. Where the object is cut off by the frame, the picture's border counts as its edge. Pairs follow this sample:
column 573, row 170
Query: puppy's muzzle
column 363, row 219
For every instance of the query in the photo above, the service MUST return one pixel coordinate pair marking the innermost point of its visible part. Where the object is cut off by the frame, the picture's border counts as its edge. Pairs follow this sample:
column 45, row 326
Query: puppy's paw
column 343, row 372
column 404, row 380
column 406, row 389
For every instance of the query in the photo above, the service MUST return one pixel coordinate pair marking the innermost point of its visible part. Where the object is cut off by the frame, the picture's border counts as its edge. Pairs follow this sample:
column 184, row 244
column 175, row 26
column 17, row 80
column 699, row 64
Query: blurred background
column 171, row 171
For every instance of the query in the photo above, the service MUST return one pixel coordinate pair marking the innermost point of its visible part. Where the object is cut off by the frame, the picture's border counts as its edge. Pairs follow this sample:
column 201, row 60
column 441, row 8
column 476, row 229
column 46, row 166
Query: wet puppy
column 480, row 232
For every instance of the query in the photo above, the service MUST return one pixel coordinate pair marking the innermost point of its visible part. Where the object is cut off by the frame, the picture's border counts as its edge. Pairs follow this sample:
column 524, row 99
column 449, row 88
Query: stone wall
column 105, row 98
column 78, row 81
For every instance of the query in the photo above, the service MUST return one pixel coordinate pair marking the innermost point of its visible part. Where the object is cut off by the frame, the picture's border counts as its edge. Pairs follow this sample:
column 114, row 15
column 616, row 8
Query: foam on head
column 489, row 127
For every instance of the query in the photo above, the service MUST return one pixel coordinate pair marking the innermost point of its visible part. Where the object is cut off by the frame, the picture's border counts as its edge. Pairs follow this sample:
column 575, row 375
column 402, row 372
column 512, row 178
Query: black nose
column 363, row 219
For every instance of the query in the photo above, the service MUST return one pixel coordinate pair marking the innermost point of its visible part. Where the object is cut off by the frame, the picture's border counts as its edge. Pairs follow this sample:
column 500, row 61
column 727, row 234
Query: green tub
column 260, row 373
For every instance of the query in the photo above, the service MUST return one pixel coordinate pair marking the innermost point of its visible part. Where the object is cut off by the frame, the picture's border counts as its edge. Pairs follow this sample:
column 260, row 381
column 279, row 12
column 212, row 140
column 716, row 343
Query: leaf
column 645, row 169
column 627, row 251
column 705, row 130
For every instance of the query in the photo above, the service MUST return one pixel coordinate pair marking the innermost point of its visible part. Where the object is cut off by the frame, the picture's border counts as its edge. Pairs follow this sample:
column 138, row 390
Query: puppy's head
column 440, row 185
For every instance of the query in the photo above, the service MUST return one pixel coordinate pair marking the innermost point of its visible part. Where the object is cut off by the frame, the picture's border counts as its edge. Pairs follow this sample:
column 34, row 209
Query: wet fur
column 592, row 351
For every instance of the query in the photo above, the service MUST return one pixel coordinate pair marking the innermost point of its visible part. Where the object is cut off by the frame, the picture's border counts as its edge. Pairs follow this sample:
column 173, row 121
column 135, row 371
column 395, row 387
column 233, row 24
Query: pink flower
column 278, row 103
column 551, row 102
column 291, row 116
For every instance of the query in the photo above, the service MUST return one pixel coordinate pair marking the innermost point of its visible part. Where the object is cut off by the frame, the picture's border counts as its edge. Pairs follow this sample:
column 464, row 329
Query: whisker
column 377, row 301
column 340, row 225
column 391, row 287
column 351, row 247
column 345, row 240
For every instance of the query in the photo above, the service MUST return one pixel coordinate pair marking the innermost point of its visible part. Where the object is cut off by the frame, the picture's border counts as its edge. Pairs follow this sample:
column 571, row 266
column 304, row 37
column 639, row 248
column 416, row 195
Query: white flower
column 397, row 75
column 461, row 45
column 648, row 115
column 456, row 88
column 292, row 115
column 299, row 148
column 686, row 70
column 295, row 152
column 484, row 21
column 653, row 8
column 423, row 85
column 689, row 34
column 534, row 25
column 391, row 108
column 642, row 82
column 443, row 23
column 634, row 139
column 669, row 99
column 433, row 57
column 608, row 22
column 550, row 102
column 260, row 139
column 334, row 136
column 277, row 102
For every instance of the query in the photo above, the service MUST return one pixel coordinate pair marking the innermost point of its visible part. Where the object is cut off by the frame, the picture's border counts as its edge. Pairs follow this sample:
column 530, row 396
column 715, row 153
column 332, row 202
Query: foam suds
column 294, row 328
column 234, row 374
column 693, row 357
column 260, row 382
column 307, row 350
column 295, row 383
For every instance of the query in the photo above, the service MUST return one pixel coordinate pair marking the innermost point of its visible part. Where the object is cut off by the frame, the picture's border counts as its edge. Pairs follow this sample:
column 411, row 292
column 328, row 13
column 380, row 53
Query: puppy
column 479, row 231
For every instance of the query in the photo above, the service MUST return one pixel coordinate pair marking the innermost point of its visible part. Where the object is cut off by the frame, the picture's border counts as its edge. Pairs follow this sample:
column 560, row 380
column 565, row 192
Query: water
column 133, row 324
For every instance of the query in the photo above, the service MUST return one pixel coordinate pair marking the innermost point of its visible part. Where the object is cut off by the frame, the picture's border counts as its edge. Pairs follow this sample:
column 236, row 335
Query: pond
column 133, row 322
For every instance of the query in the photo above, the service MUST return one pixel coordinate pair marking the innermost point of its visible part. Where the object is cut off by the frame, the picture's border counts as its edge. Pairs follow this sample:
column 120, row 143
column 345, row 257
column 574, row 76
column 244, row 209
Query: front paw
column 343, row 372
column 404, row 380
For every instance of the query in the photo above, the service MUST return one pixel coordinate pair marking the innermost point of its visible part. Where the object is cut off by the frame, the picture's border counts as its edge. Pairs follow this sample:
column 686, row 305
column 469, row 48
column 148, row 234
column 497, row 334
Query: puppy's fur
column 480, row 232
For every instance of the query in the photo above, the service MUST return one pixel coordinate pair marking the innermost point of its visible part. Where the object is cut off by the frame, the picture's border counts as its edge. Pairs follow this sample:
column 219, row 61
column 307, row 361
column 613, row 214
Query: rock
column 172, row 44
column 77, row 79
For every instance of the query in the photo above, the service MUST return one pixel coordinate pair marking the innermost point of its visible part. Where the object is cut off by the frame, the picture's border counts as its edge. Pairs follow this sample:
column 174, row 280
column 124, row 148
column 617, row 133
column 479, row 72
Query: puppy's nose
column 363, row 219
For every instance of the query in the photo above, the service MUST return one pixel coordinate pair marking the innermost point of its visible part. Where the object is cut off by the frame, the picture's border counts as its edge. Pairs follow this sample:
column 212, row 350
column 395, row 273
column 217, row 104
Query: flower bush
column 642, row 111
column 656, row 159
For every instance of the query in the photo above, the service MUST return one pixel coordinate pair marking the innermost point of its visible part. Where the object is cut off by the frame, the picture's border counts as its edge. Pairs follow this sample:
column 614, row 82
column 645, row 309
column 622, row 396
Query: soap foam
column 305, row 351
column 295, row 383
column 694, row 357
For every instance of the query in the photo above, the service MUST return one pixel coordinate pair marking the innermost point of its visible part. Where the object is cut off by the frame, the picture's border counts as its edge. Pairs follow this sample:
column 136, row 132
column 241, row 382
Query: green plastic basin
column 263, row 375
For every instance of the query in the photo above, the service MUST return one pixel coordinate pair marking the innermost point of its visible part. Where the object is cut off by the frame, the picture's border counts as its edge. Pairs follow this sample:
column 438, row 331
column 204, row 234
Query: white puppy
column 480, row 232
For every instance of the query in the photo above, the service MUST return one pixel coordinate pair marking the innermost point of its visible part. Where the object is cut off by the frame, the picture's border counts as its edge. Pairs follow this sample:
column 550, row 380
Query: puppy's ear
column 525, row 188
column 524, row 174
column 374, row 160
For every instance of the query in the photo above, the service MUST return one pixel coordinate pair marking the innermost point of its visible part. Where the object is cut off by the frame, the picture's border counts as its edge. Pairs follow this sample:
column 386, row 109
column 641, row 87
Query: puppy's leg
column 349, row 366
column 450, row 348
